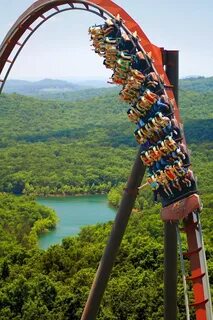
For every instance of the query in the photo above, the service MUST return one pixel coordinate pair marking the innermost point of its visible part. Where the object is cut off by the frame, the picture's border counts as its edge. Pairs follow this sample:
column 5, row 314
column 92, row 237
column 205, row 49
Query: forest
column 77, row 147
column 61, row 147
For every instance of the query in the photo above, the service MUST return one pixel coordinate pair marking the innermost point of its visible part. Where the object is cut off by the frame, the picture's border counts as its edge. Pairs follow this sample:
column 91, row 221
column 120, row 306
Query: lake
column 74, row 213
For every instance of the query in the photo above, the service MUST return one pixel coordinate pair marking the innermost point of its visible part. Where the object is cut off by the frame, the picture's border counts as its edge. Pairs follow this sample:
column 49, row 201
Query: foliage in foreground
column 54, row 284
column 21, row 221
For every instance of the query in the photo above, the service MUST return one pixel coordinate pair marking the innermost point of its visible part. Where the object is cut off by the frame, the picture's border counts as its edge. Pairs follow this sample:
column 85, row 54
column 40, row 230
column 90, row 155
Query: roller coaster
column 146, row 74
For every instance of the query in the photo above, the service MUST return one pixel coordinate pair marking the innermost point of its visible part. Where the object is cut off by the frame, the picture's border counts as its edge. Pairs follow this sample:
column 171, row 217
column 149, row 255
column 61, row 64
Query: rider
column 182, row 172
column 152, row 82
column 127, row 45
column 151, row 180
column 112, row 27
column 162, row 180
column 172, row 177
column 140, row 63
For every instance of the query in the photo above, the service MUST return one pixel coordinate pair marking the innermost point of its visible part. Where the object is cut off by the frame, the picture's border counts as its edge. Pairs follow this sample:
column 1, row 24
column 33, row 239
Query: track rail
column 198, row 278
column 12, row 45
column 199, row 272
column 37, row 14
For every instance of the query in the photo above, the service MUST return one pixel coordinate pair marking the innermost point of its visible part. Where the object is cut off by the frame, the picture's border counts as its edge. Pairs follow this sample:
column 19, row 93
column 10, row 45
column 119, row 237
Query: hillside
column 197, row 84
column 61, row 147
column 39, row 87
column 57, row 147
column 54, row 284
column 32, row 120
column 49, row 89
column 80, row 95
column 54, row 89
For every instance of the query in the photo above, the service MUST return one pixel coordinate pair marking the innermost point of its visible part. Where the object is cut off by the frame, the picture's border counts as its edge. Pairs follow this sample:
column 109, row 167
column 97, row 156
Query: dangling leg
column 169, row 189
column 155, row 192
column 187, row 181
column 176, row 184
column 165, row 190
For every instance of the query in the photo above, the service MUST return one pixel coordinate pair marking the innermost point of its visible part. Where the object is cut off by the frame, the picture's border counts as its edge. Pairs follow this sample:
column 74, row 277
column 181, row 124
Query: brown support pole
column 170, row 271
column 119, row 227
column 171, row 59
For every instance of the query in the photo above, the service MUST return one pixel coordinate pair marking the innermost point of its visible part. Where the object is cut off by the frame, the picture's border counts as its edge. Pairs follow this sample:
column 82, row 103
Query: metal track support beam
column 171, row 61
column 106, row 264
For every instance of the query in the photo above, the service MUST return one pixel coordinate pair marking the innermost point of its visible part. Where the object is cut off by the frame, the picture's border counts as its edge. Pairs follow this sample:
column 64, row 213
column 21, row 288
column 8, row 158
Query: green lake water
column 74, row 213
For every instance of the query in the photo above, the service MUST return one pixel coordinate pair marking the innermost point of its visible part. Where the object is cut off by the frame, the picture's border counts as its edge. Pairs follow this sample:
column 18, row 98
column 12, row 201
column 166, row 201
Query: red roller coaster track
column 13, row 43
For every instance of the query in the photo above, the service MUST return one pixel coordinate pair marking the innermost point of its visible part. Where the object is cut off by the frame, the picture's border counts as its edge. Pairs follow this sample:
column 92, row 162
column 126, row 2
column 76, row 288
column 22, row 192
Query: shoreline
column 66, row 211
column 62, row 195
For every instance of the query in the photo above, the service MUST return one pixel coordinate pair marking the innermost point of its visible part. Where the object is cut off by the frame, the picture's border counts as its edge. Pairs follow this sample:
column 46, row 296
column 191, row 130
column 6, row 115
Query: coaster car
column 143, row 134
column 96, row 31
column 123, row 65
column 140, row 136
column 170, row 128
column 134, row 114
column 110, row 61
column 153, row 83
column 163, row 182
column 130, row 93
column 137, row 75
column 172, row 177
column 118, row 79
column 97, row 37
column 99, row 48
column 122, row 68
column 146, row 159
column 112, row 27
column 159, row 153
column 108, row 33
column 109, row 64
column 127, row 44
column 184, row 174
column 162, row 107
column 130, row 96
column 146, row 101
column 111, row 53
column 135, row 79
column 140, row 63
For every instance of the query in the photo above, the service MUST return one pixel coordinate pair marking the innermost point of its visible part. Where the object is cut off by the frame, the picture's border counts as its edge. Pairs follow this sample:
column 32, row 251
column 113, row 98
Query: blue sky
column 61, row 48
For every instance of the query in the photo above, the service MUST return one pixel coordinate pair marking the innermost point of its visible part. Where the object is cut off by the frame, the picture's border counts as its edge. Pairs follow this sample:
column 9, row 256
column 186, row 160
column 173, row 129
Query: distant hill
column 94, row 83
column 77, row 95
column 51, row 88
column 36, row 88
column 199, row 84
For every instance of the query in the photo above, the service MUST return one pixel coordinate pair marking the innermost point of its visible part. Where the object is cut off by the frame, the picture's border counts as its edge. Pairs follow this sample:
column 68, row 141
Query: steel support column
column 171, row 60
column 170, row 271
column 119, row 227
